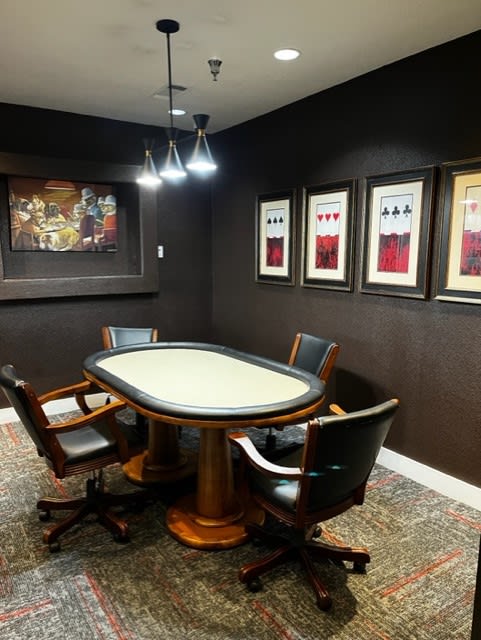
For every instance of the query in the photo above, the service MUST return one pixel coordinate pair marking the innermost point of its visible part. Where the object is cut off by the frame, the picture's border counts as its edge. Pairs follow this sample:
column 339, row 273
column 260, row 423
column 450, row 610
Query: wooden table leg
column 213, row 518
column 164, row 461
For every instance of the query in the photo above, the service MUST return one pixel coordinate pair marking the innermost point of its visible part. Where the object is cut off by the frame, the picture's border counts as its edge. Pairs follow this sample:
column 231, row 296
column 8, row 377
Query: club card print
column 397, row 233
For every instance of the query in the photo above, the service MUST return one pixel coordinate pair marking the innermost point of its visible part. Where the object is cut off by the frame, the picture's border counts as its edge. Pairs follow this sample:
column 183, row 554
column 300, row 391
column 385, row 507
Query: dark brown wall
column 48, row 339
column 421, row 111
column 424, row 110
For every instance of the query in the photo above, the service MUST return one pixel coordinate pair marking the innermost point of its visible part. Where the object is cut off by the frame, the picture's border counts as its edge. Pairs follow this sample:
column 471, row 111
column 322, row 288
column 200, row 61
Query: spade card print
column 274, row 238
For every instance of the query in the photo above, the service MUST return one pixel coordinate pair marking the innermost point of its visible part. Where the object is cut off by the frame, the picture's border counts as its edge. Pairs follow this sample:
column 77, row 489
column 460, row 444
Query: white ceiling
column 106, row 58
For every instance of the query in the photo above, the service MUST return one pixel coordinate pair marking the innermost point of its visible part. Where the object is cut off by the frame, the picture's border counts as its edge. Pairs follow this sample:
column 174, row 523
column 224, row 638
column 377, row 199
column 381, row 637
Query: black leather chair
column 79, row 445
column 122, row 336
column 322, row 480
column 312, row 354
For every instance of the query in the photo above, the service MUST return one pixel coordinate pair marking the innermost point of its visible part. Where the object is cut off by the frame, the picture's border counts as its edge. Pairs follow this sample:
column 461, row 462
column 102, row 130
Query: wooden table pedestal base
column 187, row 526
column 140, row 472
column 164, row 461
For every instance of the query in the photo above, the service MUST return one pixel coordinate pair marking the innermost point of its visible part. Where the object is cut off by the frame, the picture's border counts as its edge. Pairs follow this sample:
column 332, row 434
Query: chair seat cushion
column 325, row 488
column 96, row 441
column 278, row 490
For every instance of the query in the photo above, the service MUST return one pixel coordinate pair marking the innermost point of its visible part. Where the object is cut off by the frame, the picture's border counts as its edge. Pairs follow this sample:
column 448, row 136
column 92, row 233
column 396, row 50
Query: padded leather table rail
column 196, row 381
column 213, row 388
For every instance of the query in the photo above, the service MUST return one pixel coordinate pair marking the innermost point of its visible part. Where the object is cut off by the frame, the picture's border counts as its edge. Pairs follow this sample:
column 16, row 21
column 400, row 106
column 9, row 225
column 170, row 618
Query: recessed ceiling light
column 178, row 112
column 287, row 54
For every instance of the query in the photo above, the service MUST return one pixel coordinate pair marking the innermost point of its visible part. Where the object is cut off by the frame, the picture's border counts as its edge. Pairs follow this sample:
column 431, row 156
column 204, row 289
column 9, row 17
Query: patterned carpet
column 418, row 586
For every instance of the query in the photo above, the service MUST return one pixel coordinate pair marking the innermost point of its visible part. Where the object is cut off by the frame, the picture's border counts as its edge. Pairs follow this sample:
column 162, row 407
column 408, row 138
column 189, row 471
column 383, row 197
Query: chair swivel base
column 286, row 550
column 96, row 502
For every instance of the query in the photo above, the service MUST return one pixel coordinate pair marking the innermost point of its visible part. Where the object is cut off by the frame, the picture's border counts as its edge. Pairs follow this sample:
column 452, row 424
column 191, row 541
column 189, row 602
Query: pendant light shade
column 172, row 168
column 149, row 176
column 201, row 161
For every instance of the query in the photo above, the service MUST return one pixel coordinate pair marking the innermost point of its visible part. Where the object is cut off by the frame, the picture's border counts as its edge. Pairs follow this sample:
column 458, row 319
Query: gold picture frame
column 459, row 258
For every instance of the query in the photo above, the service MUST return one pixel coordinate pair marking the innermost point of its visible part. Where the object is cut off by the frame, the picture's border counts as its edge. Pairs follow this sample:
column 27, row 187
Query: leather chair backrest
column 340, row 452
column 24, row 400
column 313, row 353
column 123, row 336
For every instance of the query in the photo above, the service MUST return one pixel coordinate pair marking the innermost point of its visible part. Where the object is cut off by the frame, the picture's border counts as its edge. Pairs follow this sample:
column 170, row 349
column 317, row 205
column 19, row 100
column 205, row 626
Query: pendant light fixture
column 172, row 168
column 201, row 161
column 149, row 176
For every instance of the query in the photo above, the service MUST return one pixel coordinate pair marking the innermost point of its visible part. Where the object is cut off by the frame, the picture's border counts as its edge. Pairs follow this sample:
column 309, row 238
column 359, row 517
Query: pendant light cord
column 169, row 66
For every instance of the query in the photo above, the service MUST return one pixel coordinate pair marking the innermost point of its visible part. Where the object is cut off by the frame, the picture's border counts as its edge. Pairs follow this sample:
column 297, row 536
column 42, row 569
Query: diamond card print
column 470, row 264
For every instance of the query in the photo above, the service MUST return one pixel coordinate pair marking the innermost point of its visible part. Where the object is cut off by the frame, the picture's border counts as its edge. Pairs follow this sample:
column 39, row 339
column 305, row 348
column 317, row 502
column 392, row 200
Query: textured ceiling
column 106, row 58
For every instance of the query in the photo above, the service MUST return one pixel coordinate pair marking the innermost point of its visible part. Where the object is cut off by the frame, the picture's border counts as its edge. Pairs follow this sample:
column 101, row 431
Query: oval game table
column 213, row 388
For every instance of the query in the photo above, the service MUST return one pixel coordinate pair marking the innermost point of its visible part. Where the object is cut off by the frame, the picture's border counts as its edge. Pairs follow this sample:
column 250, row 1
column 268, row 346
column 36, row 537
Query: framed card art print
column 459, row 262
column 274, row 238
column 397, row 230
column 328, row 236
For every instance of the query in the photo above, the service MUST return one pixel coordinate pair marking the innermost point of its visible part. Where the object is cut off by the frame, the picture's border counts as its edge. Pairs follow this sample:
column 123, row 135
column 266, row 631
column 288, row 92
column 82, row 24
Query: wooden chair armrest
column 255, row 459
column 335, row 409
column 101, row 413
column 72, row 389
column 78, row 390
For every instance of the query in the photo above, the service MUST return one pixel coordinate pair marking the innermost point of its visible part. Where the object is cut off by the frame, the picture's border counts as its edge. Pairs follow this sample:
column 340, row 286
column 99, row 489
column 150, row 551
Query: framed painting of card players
column 397, row 224
column 459, row 259
column 328, row 235
column 275, row 238
column 74, row 227
column 61, row 215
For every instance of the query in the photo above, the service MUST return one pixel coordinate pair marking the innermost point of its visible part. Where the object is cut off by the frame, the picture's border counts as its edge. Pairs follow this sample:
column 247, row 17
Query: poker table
column 212, row 388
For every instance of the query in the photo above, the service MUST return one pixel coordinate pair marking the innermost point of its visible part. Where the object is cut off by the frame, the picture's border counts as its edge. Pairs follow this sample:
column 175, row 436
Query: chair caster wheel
column 44, row 516
column 270, row 442
column 54, row 547
column 137, row 507
column 121, row 538
column 254, row 585
column 317, row 533
column 324, row 603
column 359, row 567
